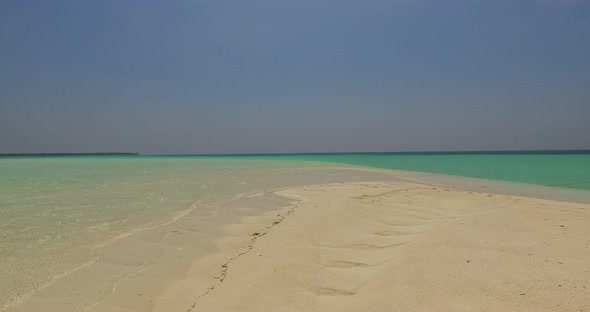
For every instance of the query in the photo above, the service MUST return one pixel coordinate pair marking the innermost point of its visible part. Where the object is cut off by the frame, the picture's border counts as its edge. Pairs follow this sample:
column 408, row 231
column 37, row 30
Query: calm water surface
column 562, row 170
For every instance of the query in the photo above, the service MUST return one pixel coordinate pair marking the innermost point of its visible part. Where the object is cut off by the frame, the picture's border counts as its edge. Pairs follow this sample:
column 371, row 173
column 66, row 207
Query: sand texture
column 394, row 246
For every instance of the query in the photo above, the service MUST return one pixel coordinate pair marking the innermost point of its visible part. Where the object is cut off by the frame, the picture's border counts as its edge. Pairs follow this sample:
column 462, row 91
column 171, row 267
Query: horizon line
column 453, row 152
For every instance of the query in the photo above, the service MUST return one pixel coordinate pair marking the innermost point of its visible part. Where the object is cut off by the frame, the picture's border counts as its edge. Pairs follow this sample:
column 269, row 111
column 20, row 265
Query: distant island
column 65, row 154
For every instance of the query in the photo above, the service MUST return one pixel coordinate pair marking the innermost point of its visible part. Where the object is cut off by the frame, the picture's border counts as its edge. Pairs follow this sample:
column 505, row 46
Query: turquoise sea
column 567, row 169
column 56, row 211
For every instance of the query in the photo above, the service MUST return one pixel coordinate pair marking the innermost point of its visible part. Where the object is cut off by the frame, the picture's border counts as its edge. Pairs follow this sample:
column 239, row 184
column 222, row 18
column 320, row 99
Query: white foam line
column 22, row 298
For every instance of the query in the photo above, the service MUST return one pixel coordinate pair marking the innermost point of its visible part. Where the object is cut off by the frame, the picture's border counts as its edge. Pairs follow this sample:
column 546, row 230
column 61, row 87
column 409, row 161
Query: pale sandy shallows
column 404, row 247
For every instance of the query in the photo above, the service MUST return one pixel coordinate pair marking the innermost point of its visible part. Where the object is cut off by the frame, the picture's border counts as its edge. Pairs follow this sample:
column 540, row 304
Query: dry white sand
column 388, row 246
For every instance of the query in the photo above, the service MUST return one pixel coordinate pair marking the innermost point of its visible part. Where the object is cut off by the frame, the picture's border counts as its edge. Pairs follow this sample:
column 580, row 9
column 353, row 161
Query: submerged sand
column 393, row 246
column 353, row 246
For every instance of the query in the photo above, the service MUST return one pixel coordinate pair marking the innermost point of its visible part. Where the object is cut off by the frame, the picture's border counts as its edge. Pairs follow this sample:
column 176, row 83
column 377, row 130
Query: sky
column 280, row 76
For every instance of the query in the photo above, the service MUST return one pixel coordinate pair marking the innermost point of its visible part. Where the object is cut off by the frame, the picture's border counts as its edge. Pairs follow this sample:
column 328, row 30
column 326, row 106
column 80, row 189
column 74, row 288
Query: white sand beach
column 390, row 246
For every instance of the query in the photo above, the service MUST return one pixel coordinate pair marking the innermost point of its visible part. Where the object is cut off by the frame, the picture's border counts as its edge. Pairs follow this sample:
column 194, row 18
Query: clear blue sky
column 217, row 76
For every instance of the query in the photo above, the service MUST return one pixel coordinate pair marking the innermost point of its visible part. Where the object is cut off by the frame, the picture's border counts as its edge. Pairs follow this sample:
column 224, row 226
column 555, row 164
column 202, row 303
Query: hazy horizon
column 461, row 151
column 230, row 77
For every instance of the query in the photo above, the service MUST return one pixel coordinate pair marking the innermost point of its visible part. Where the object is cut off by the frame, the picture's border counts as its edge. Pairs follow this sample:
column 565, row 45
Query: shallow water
column 55, row 213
